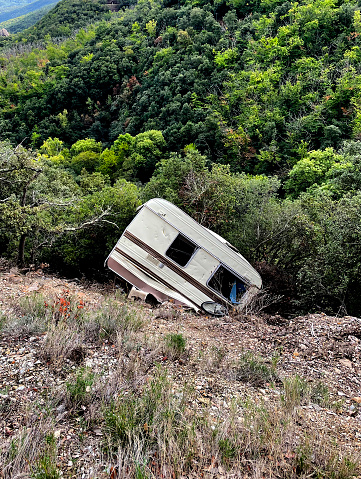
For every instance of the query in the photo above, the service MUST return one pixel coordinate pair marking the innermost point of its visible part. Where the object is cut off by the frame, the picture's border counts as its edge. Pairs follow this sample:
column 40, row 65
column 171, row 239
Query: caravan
column 166, row 253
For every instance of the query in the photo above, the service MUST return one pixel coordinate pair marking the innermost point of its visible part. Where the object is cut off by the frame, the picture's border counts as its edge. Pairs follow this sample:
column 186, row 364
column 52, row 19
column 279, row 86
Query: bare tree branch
column 98, row 219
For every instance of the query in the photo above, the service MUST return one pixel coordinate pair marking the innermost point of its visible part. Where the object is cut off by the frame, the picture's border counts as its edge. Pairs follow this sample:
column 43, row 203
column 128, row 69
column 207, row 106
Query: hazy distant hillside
column 19, row 24
column 22, row 9
column 7, row 5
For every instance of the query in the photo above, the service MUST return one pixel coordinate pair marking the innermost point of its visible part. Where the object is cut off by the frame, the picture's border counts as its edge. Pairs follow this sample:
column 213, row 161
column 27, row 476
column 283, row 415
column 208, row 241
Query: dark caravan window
column 181, row 250
column 227, row 284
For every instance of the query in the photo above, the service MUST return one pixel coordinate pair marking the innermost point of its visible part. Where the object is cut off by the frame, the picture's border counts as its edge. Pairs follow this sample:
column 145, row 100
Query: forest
column 245, row 114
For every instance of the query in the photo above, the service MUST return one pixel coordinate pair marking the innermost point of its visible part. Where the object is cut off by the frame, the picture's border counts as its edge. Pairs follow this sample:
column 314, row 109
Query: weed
column 79, row 390
column 253, row 370
column 140, row 472
column 218, row 356
column 174, row 345
column 30, row 316
column 35, row 313
column 317, row 457
column 6, row 406
column 295, row 391
column 63, row 342
column 33, row 305
column 32, row 448
column 3, row 321
column 320, row 394
column 303, row 457
column 275, row 359
column 338, row 405
column 142, row 419
column 227, row 448
column 121, row 422
column 45, row 466
column 111, row 320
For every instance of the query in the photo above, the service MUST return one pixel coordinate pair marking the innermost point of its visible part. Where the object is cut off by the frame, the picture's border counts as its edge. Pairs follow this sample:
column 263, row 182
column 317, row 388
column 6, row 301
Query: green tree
column 311, row 170
column 31, row 198
column 136, row 156
column 44, row 212
column 169, row 178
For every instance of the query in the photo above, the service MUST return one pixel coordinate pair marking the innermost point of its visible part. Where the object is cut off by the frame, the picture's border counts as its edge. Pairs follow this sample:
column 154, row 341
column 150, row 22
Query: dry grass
column 63, row 342
column 31, row 453
column 254, row 370
column 159, row 430
column 153, row 426
column 111, row 319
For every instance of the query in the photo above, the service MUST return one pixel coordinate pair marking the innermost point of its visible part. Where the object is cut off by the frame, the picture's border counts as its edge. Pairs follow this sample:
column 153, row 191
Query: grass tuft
column 254, row 371
column 79, row 389
column 174, row 345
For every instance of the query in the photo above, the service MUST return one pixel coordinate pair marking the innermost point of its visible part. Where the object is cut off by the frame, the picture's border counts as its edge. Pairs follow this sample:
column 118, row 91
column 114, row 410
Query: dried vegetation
column 97, row 387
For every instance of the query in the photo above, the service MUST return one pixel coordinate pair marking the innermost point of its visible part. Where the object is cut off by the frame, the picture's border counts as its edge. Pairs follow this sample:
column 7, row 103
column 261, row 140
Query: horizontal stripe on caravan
column 151, row 274
column 201, row 287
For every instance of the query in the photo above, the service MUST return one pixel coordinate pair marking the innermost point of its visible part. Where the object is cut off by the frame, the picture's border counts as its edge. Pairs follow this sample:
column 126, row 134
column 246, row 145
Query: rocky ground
column 321, row 352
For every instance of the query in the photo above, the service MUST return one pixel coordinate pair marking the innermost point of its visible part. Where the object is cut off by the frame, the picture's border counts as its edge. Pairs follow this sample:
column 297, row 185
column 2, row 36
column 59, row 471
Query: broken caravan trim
column 141, row 266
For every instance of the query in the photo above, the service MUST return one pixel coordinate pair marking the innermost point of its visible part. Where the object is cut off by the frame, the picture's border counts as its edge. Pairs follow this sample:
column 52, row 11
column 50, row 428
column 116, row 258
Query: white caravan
column 168, row 254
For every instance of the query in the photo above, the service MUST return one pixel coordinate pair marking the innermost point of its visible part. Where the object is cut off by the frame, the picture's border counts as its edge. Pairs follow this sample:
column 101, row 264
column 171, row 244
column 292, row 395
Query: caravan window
column 181, row 250
column 227, row 284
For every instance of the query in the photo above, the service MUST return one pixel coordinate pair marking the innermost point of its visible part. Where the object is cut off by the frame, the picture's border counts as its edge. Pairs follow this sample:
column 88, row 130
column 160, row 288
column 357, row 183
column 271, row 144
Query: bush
column 174, row 345
column 253, row 370
column 79, row 389
column 144, row 419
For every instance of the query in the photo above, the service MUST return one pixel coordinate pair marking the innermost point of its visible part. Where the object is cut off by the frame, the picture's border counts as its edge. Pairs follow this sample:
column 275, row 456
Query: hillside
column 23, row 22
column 20, row 10
column 191, row 69
column 85, row 371
column 244, row 114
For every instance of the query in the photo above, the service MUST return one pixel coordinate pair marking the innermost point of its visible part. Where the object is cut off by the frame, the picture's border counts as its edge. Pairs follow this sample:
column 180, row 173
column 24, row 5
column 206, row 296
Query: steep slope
column 67, row 17
column 195, row 96
column 99, row 387
column 237, row 86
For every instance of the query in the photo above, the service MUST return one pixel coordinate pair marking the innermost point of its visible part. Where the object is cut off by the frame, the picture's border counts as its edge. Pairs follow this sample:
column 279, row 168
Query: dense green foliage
column 245, row 114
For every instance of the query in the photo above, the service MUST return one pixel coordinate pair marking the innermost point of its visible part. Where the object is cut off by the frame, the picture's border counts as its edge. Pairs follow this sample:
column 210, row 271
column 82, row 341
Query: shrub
column 253, row 370
column 296, row 390
column 320, row 394
column 79, row 389
column 111, row 319
column 174, row 345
